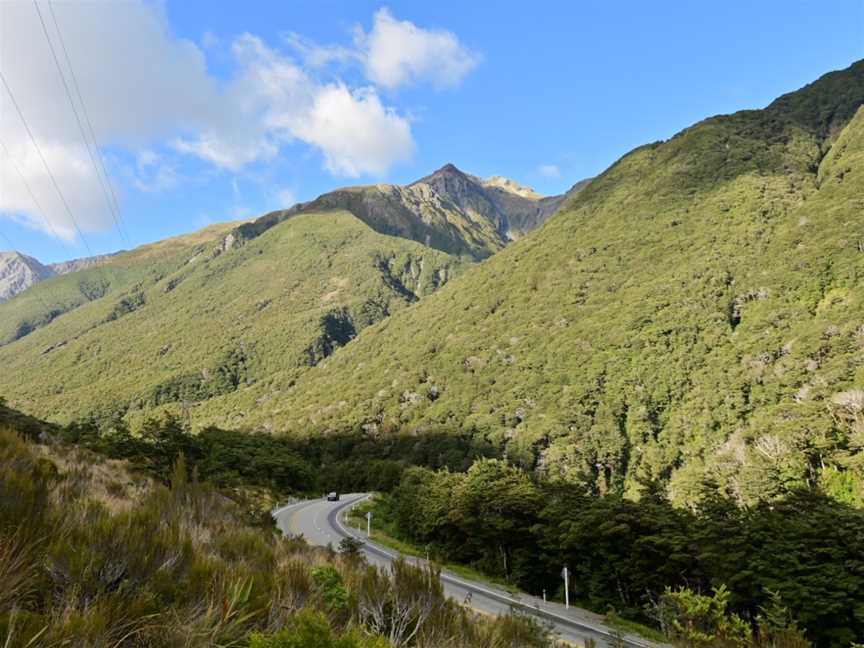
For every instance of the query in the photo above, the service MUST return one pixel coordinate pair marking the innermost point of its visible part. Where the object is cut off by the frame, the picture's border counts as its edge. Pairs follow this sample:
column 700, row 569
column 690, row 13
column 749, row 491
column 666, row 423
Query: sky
column 169, row 116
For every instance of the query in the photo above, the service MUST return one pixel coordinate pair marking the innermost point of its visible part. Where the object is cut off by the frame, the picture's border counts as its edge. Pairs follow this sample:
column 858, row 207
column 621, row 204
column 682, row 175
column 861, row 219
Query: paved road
column 320, row 523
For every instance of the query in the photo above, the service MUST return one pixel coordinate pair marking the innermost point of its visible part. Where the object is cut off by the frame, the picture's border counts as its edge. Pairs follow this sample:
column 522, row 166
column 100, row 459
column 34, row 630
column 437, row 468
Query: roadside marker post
column 566, row 576
column 369, row 524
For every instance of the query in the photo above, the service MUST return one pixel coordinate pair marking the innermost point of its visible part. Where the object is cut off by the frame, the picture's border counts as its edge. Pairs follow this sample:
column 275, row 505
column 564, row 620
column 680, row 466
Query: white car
column 333, row 497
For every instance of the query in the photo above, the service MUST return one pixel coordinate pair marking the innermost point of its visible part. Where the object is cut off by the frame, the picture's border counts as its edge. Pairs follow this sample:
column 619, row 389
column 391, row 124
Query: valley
column 644, row 393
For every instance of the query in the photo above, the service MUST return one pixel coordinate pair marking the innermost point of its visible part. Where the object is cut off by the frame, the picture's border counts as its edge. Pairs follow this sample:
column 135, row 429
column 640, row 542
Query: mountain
column 18, row 271
column 448, row 210
column 198, row 321
column 693, row 315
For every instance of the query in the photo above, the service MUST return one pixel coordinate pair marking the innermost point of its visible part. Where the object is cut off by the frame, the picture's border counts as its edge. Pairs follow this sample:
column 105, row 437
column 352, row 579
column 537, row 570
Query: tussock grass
column 84, row 563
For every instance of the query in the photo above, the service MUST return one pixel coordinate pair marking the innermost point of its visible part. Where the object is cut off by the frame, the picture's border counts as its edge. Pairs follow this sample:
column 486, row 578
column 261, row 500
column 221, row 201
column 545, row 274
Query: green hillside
column 182, row 324
column 695, row 314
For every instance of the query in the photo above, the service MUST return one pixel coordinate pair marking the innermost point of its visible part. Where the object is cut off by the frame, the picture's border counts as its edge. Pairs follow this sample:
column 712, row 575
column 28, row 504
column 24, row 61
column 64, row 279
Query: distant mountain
column 449, row 210
column 18, row 271
column 239, row 304
column 690, row 317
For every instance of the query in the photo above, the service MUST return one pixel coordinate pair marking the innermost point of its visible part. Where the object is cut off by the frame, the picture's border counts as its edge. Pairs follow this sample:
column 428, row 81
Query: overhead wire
column 45, row 163
column 113, row 208
column 59, row 191
column 39, row 209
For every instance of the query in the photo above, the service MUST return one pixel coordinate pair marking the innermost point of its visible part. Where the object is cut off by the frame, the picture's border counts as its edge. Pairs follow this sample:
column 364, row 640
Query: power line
column 99, row 156
column 111, row 207
column 45, row 163
column 33, row 197
column 50, row 174
column 48, row 309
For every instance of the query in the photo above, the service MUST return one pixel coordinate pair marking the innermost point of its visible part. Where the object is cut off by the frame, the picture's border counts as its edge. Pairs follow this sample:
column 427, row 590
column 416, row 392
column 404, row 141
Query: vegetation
column 661, row 388
column 94, row 555
column 800, row 557
column 695, row 314
column 203, row 326
column 39, row 306
column 495, row 520
column 282, row 465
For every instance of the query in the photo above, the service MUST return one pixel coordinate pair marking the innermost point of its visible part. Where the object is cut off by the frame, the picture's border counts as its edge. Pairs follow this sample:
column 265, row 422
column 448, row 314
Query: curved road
column 320, row 523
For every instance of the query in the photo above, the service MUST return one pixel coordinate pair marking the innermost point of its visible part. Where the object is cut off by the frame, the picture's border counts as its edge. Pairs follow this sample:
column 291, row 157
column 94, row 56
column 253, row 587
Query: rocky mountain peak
column 18, row 272
column 449, row 180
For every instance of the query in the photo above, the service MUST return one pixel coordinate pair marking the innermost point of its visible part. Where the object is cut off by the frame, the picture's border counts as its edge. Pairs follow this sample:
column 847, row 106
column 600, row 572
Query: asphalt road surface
column 320, row 522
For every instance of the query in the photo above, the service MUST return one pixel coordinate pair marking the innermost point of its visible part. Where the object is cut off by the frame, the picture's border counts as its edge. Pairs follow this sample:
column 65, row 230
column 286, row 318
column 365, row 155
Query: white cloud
column 279, row 102
column 394, row 53
column 319, row 56
column 549, row 170
column 139, row 83
column 228, row 151
column 398, row 52
column 153, row 172
column 355, row 131
column 150, row 95
column 44, row 209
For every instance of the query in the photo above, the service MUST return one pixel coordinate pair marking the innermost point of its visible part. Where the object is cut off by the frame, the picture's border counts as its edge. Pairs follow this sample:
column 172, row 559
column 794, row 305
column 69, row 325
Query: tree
column 495, row 504
column 693, row 620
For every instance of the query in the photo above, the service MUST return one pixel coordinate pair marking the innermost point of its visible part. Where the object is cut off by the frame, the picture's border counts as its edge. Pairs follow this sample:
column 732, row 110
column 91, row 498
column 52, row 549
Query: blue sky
column 211, row 111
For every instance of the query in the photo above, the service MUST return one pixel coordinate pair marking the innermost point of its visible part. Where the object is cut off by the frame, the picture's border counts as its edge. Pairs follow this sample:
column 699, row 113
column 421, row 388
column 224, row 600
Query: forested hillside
column 182, row 324
column 85, row 282
column 789, row 569
column 694, row 315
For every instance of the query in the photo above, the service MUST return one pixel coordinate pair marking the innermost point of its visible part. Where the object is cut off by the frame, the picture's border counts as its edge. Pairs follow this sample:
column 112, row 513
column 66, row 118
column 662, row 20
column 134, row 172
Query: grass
column 634, row 627
column 185, row 567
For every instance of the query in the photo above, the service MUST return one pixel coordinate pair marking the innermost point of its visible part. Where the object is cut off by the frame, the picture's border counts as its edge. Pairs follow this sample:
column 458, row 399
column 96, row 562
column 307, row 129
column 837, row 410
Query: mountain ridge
column 198, row 322
column 448, row 210
column 18, row 272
